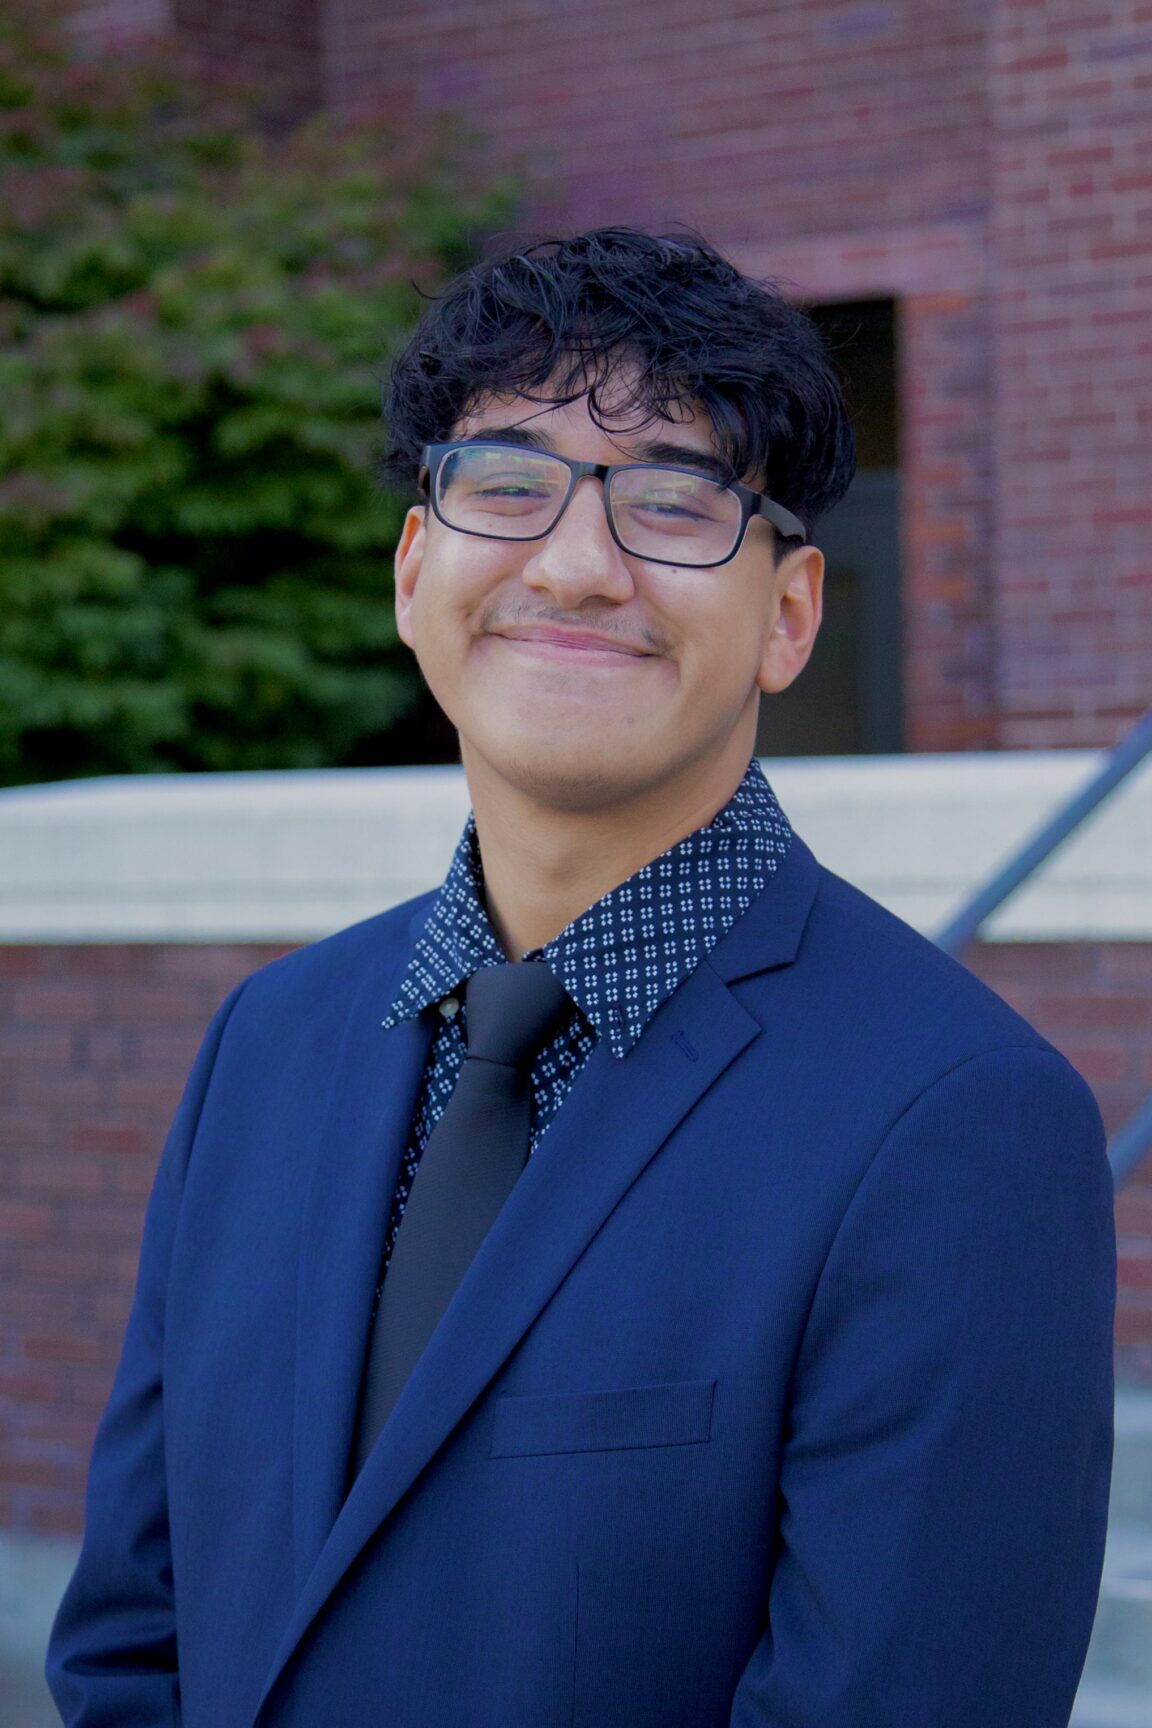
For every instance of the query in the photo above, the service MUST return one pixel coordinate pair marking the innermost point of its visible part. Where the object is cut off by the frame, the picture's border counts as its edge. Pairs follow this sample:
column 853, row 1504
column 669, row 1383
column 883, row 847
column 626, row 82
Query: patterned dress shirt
column 618, row 961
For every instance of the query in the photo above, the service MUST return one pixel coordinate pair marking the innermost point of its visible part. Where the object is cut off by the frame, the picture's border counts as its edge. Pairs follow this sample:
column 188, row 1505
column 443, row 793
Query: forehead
column 617, row 422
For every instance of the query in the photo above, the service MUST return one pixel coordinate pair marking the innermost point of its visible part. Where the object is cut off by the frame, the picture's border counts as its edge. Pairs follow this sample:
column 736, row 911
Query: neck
column 544, row 865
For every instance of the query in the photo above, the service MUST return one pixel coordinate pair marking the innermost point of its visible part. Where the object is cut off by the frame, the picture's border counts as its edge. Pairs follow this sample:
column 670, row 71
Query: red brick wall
column 275, row 43
column 1094, row 1001
column 1071, row 233
column 809, row 116
column 95, row 1044
column 949, row 660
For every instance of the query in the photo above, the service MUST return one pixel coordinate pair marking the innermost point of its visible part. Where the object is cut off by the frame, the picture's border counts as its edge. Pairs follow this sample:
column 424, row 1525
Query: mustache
column 641, row 635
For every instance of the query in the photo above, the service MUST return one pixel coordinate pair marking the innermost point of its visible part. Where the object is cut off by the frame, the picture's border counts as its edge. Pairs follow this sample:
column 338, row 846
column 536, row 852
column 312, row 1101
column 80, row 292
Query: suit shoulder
column 898, row 980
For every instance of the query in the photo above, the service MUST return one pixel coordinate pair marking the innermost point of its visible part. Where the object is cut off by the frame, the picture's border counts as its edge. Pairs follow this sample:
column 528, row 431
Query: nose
column 579, row 559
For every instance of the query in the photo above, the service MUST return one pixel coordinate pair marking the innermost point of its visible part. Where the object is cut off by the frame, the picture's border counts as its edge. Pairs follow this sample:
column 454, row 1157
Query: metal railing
column 1128, row 1146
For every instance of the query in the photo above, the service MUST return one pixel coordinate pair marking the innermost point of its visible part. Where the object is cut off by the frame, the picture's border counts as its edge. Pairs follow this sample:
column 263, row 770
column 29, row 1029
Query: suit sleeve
column 112, row 1658
column 945, row 1473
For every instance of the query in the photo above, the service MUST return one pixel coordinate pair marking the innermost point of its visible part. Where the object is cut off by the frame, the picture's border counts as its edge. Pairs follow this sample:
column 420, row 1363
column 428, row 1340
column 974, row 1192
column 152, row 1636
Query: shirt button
column 450, row 1007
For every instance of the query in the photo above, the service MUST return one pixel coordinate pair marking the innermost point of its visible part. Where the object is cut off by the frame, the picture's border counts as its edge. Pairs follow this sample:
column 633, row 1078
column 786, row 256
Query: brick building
column 966, row 192
column 964, row 196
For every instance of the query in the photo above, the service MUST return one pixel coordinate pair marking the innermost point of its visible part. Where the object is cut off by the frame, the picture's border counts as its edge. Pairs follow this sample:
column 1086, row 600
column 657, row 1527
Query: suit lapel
column 613, row 1122
column 374, row 1091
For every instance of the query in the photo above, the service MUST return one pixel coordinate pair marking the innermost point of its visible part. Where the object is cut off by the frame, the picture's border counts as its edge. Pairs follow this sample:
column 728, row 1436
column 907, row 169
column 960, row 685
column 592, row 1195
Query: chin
column 571, row 775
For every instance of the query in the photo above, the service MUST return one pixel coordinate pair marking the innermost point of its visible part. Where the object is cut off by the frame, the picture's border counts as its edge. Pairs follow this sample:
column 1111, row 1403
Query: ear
column 409, row 557
column 799, row 582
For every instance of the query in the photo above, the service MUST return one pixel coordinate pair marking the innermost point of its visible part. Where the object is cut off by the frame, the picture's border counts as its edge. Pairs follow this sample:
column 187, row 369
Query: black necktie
column 466, row 1172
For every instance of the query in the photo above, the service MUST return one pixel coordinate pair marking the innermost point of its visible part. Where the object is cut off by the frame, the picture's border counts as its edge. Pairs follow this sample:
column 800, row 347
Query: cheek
column 722, row 648
column 441, row 591
column 451, row 598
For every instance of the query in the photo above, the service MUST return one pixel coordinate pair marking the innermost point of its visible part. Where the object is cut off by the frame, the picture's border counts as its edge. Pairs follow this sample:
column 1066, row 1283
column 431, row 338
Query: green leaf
column 195, row 558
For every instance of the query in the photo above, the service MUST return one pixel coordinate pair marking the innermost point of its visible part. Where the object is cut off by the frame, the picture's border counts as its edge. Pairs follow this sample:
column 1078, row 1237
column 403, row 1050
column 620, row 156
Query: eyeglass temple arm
column 790, row 526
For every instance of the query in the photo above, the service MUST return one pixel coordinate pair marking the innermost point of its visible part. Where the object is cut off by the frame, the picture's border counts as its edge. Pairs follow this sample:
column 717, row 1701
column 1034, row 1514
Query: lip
column 571, row 644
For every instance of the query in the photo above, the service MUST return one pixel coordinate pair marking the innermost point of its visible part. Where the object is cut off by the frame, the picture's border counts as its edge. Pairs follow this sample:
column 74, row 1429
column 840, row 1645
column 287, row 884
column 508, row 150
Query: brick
column 1135, row 1271
column 87, row 1387
column 1036, row 963
column 62, row 1517
column 57, row 1003
column 49, row 1177
column 27, row 1219
column 148, row 1003
column 104, row 1049
column 173, row 1050
column 109, row 1309
column 29, row 1307
column 26, row 1130
column 1122, row 1013
column 1134, row 1213
column 107, row 1219
column 71, row 1264
column 59, row 1430
column 30, row 1472
column 1133, row 1321
column 105, row 960
column 222, row 966
column 25, row 1044
column 71, row 1088
column 132, row 1178
column 154, row 1096
column 26, row 1385
column 119, row 1139
column 73, row 1348
column 24, row 962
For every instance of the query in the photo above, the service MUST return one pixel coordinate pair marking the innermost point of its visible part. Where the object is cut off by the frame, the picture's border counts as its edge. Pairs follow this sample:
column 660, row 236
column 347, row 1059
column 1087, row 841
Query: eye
column 665, row 508
column 487, row 477
column 673, row 499
column 513, row 487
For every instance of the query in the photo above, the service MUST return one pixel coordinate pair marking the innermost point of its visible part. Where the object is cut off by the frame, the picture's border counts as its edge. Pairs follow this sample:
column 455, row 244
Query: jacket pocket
column 675, row 1413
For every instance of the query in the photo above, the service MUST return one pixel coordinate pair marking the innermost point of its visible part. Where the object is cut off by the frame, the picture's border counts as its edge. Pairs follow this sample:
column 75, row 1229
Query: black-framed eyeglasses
column 664, row 513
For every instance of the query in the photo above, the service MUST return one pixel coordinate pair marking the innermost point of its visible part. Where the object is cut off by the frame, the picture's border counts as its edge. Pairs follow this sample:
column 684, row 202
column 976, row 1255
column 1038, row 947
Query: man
column 642, row 1284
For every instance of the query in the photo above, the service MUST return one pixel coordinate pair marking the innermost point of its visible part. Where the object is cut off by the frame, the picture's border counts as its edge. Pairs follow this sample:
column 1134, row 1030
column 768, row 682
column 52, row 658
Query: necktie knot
column 512, row 1009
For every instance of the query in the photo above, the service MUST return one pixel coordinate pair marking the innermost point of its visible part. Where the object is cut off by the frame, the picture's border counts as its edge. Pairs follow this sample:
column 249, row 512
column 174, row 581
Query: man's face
column 578, row 673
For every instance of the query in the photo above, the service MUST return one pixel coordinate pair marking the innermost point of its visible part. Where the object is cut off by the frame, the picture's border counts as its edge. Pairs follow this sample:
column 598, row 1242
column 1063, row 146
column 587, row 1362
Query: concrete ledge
column 290, row 856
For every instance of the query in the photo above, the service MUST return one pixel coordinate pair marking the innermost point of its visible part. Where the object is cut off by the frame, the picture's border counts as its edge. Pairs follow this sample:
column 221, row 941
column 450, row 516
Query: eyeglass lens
column 660, row 513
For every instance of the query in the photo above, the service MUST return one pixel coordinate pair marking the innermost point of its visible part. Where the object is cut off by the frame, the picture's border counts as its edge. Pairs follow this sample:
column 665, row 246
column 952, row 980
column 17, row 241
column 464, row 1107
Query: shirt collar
column 625, row 955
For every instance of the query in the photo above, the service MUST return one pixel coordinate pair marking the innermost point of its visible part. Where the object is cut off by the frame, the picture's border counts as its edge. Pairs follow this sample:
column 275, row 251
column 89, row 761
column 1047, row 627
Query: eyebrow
column 657, row 451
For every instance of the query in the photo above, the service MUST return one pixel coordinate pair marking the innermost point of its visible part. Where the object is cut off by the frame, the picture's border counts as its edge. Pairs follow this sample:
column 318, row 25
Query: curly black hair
column 655, row 323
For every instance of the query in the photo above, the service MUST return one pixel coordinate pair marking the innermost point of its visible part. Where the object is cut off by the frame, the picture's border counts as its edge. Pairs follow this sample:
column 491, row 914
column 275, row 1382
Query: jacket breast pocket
column 672, row 1413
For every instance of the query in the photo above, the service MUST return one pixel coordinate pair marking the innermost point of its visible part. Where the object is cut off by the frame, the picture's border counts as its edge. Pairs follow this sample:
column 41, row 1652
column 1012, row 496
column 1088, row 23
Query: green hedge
column 195, row 314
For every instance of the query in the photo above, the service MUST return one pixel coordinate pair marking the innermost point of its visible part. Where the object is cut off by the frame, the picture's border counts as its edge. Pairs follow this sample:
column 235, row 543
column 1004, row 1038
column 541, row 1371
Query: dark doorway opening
column 849, row 698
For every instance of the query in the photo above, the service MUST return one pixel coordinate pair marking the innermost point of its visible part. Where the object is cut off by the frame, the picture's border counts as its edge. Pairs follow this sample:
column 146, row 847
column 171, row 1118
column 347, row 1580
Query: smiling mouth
column 587, row 654
column 573, row 644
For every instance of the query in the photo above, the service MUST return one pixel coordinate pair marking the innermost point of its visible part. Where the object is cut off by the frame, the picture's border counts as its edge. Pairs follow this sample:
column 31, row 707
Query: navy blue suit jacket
column 778, row 1396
